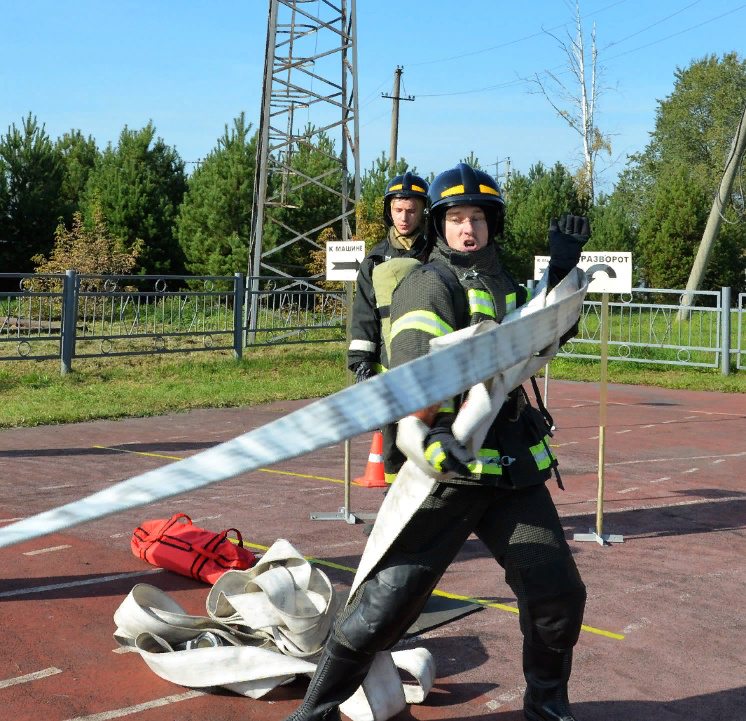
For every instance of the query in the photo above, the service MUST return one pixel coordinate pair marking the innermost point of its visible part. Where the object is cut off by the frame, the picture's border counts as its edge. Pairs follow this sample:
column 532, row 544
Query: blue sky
column 193, row 66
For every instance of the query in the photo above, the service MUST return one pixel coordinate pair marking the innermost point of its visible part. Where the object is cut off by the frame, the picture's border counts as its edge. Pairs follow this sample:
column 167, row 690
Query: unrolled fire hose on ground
column 263, row 627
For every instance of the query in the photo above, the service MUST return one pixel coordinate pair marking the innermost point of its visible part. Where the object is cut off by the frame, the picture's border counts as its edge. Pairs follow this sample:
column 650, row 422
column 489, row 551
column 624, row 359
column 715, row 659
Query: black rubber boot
column 339, row 673
column 547, row 673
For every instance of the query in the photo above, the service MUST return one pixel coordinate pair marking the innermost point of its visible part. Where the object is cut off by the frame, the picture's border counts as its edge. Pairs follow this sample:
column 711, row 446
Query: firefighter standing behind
column 501, row 496
column 404, row 204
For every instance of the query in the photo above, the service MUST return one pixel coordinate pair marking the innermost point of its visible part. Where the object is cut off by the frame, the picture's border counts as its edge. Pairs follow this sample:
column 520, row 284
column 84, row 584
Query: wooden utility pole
column 716, row 217
column 395, row 115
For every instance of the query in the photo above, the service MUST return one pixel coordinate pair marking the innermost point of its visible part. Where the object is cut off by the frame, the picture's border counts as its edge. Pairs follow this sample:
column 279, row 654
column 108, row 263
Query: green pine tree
column 214, row 222
column 139, row 186
column 532, row 201
column 79, row 155
column 30, row 201
column 671, row 229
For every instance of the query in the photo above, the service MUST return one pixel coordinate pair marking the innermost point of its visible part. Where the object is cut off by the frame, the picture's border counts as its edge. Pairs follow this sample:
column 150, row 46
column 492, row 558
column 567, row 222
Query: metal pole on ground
column 598, row 534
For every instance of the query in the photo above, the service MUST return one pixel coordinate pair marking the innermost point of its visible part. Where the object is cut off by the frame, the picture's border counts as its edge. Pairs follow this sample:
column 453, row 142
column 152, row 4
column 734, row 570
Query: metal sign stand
column 598, row 534
column 344, row 513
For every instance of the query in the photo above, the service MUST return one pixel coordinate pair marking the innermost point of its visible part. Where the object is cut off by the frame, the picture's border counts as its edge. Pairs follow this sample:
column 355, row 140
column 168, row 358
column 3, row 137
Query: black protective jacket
column 366, row 343
column 516, row 450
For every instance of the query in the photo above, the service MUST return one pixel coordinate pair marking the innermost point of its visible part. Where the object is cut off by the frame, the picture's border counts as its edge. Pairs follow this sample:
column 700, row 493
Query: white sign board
column 609, row 272
column 343, row 259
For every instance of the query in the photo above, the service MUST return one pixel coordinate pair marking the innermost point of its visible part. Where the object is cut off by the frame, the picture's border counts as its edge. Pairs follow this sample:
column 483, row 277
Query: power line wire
column 668, row 17
column 510, row 42
column 686, row 30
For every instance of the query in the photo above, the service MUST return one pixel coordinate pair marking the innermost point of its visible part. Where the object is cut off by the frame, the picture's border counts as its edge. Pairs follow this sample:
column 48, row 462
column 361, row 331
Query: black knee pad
column 551, row 602
column 384, row 607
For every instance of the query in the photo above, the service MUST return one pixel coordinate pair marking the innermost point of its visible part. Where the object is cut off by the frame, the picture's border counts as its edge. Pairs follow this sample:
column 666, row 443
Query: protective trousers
column 522, row 530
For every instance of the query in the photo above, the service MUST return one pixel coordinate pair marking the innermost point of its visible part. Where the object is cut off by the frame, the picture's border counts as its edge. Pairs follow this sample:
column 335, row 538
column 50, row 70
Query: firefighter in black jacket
column 500, row 496
column 404, row 204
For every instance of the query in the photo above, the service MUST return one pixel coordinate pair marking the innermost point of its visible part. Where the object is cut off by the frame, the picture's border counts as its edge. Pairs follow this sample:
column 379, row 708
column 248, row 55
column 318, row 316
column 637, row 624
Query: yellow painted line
column 481, row 601
column 501, row 606
column 266, row 470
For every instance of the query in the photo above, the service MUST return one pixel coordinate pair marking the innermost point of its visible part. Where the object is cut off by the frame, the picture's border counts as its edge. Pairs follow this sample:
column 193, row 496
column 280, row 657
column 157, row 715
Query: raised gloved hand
column 566, row 240
column 363, row 371
column 444, row 453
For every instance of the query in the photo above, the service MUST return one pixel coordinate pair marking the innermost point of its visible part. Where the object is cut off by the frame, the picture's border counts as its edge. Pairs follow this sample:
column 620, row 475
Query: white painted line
column 673, row 421
column 649, row 425
column 719, row 413
column 119, row 712
column 658, row 480
column 629, row 430
column 52, row 488
column 46, row 550
column 119, row 535
column 205, row 518
column 686, row 418
column 568, row 443
column 627, row 490
column 51, row 671
column 10, row 520
column 691, row 470
column 85, row 582
column 593, row 438
column 678, row 458
column 124, row 649
column 719, row 460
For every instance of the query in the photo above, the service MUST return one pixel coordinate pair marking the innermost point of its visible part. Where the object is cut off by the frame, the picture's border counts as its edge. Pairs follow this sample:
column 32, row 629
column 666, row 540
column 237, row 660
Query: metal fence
column 655, row 326
column 83, row 316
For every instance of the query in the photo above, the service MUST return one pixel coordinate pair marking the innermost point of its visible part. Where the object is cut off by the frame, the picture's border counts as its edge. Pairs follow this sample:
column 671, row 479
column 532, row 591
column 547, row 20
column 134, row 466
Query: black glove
column 444, row 453
column 566, row 240
column 363, row 371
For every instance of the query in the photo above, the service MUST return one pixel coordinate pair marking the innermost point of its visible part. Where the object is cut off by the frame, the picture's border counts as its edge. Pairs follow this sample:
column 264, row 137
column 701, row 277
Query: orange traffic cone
column 374, row 476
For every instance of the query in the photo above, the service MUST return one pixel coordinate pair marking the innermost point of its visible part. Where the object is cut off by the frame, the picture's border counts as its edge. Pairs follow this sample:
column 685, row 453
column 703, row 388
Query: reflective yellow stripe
column 435, row 455
column 455, row 190
column 510, row 303
column 447, row 407
column 378, row 368
column 490, row 465
column 417, row 187
column 529, row 294
column 423, row 320
column 542, row 454
column 488, row 190
column 395, row 187
column 481, row 302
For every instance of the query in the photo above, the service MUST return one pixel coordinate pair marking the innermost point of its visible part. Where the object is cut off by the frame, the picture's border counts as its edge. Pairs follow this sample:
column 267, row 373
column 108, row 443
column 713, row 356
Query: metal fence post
column 69, row 316
column 238, row 302
column 725, row 332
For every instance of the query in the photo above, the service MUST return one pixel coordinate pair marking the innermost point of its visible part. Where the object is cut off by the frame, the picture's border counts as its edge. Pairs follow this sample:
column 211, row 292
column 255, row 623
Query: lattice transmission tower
column 310, row 78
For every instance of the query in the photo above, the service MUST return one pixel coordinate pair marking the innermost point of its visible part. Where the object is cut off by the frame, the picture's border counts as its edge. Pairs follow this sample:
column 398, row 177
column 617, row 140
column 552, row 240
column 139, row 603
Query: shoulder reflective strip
column 423, row 320
column 418, row 188
column 455, row 190
column 510, row 303
column 378, row 368
column 447, row 408
column 480, row 302
column 435, row 455
column 395, row 187
column 542, row 454
column 488, row 190
column 366, row 345
column 529, row 294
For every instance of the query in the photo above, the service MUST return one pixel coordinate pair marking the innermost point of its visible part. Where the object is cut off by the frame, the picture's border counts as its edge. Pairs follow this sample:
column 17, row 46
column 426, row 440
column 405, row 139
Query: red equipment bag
column 188, row 550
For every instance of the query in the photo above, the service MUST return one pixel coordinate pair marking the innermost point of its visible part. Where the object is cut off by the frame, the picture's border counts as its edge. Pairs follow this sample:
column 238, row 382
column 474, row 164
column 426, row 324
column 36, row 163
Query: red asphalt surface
column 665, row 620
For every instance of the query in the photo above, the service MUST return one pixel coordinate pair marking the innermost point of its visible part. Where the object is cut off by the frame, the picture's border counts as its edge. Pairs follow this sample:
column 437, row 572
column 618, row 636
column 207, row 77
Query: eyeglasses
column 459, row 220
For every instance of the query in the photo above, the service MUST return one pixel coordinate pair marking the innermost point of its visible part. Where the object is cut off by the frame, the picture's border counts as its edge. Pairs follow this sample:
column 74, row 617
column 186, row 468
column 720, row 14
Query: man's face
column 406, row 214
column 465, row 228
